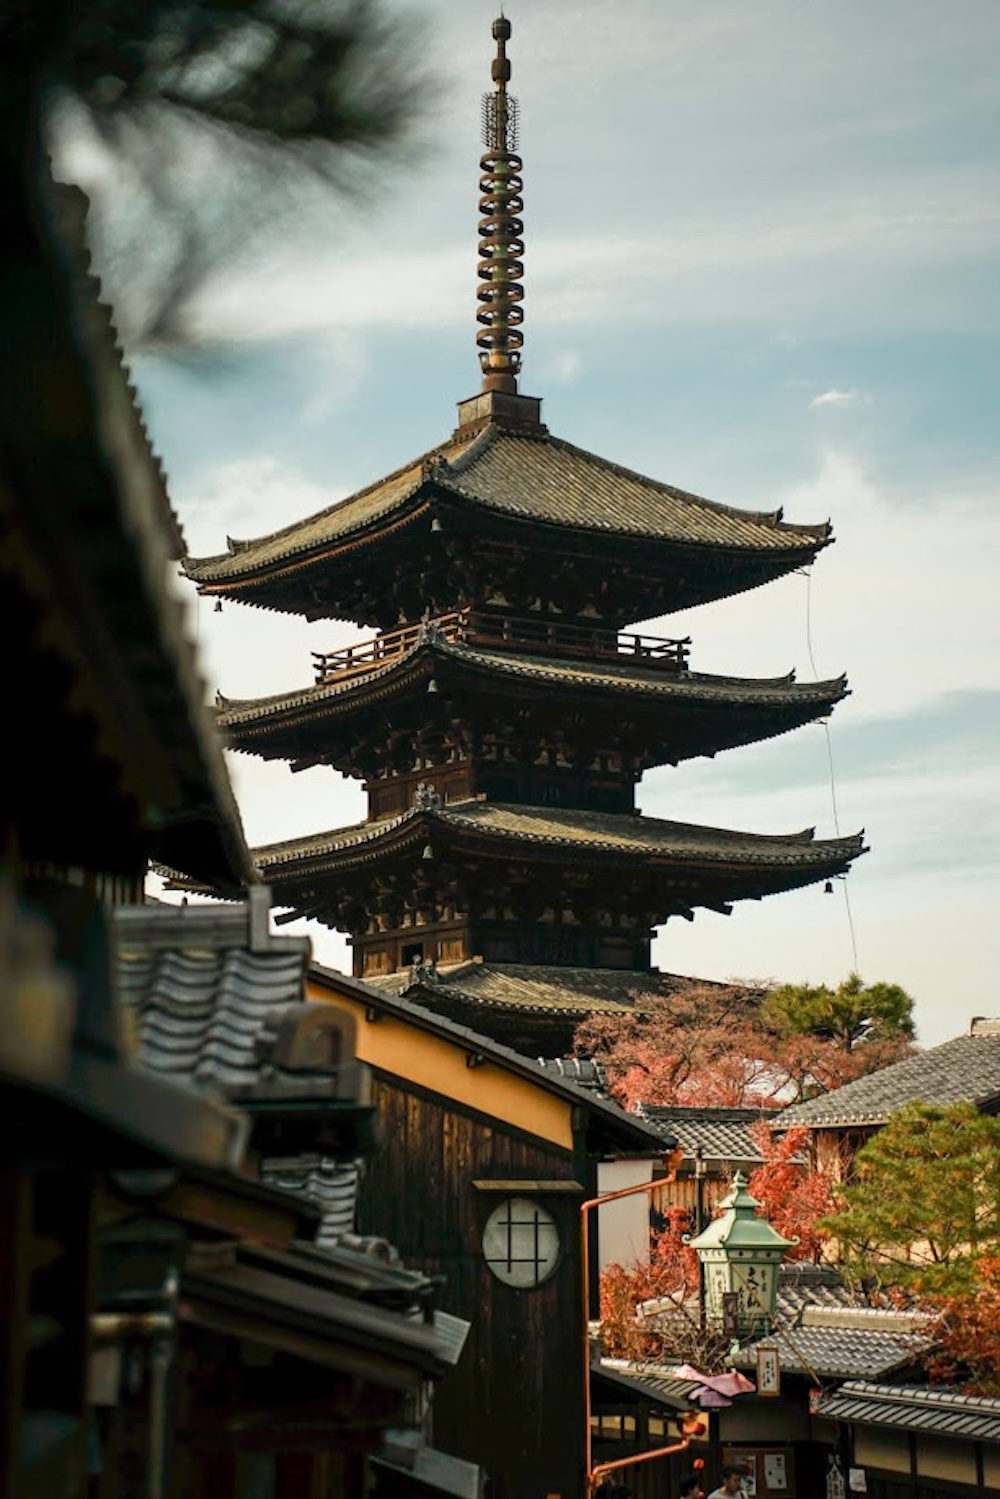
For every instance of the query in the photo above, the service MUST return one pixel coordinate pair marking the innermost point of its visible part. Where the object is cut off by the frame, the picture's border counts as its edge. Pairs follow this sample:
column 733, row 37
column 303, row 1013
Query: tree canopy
column 924, row 1203
column 851, row 1015
column 728, row 1045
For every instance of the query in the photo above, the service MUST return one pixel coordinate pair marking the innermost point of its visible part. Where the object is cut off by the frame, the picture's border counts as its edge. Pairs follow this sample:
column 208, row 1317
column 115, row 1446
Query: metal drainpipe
column 592, row 1474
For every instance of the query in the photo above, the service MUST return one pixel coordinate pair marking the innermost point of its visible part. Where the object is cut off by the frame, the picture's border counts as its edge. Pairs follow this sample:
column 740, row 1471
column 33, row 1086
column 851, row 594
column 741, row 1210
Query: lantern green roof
column 739, row 1226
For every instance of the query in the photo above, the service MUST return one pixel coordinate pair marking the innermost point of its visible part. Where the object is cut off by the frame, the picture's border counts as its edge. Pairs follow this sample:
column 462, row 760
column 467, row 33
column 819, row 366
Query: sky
column 761, row 265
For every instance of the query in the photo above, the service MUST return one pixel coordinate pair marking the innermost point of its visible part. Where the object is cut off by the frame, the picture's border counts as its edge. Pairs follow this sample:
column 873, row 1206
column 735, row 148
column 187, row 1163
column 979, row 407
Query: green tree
column 924, row 1206
column 851, row 1015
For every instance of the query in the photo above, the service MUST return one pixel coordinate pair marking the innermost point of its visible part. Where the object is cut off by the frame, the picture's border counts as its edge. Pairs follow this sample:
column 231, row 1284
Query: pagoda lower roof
column 547, row 833
column 514, row 475
column 572, row 993
column 609, row 677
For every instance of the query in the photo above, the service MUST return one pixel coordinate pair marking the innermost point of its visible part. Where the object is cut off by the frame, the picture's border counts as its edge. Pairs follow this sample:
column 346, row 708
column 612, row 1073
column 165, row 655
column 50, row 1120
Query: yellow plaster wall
column 888, row 1450
column 394, row 1046
column 939, row 1458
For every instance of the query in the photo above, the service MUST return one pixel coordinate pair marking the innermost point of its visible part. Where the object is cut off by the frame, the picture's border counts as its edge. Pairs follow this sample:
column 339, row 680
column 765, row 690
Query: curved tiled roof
column 964, row 1070
column 607, row 675
column 602, row 833
column 531, row 987
column 529, row 476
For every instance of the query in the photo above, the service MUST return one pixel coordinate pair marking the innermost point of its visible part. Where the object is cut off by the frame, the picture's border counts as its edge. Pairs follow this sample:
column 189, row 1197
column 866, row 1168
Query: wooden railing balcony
column 517, row 633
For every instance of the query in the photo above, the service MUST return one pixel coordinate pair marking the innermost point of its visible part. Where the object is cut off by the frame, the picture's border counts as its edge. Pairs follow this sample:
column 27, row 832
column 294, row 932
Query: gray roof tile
column 331, row 1185
column 841, row 1352
column 964, row 1070
column 934, row 1410
column 722, row 1134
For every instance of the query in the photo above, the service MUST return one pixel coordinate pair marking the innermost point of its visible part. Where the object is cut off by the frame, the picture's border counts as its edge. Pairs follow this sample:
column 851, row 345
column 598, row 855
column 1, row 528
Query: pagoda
column 503, row 714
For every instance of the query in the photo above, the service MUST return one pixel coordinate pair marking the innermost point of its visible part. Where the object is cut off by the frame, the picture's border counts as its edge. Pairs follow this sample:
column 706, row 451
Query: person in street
column 690, row 1487
column 732, row 1482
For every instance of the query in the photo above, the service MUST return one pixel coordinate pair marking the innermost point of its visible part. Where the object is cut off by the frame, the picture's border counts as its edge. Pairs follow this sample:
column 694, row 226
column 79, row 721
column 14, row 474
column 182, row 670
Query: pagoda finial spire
column 500, row 244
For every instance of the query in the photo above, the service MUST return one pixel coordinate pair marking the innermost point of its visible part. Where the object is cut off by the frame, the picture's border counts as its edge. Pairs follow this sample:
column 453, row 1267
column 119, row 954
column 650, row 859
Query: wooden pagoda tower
column 502, row 715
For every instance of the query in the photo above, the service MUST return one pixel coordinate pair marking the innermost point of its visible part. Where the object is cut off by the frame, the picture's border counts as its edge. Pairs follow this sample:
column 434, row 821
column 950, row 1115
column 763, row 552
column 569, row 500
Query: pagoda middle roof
column 613, row 835
column 608, row 675
column 525, row 474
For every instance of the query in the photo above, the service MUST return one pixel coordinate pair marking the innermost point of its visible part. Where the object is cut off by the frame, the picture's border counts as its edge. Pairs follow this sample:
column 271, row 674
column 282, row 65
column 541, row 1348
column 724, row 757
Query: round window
column 521, row 1243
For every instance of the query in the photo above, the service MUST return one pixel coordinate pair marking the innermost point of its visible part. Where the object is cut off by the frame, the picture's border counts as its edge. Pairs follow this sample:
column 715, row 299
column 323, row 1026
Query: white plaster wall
column 623, row 1227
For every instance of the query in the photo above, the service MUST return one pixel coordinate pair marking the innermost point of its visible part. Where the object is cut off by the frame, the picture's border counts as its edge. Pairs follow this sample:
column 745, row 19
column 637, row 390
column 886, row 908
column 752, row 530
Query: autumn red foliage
column 793, row 1196
column 714, row 1045
column 967, row 1331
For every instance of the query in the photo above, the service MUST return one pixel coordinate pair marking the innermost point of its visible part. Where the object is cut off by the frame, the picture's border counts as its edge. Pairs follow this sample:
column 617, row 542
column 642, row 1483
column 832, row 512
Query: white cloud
column 841, row 398
column 906, row 617
column 565, row 367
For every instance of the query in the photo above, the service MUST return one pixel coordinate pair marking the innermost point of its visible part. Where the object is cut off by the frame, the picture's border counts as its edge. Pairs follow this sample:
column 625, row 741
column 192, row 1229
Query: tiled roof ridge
column 771, row 518
column 871, row 1099
column 626, row 677
column 936, row 1395
column 709, row 1114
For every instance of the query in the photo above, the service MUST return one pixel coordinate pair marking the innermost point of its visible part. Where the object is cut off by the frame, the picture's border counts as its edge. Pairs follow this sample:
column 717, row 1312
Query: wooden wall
column 515, row 1402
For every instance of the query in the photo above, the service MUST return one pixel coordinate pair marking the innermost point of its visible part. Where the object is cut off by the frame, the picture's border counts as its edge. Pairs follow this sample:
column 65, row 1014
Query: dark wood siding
column 515, row 1402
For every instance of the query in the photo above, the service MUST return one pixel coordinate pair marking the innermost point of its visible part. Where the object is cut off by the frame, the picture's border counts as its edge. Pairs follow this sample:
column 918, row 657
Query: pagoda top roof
column 583, row 832
column 621, row 675
column 522, row 473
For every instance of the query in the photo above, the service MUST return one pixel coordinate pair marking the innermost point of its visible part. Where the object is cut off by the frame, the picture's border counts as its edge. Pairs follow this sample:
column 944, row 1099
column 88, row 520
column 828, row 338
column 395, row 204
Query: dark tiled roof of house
column 721, row 1134
column 586, row 1072
column 803, row 1286
column 875, row 1343
column 964, row 1070
column 933, row 1410
column 528, row 476
column 201, row 983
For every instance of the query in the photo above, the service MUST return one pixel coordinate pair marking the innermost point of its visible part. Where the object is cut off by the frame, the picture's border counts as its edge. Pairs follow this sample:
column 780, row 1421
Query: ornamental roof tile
column 599, row 832
column 963, row 1070
column 933, row 1410
column 530, row 476
column 608, row 675
column 332, row 1185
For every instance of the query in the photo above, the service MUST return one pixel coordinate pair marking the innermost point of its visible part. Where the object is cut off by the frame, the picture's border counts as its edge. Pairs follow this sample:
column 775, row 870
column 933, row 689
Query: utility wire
column 829, row 758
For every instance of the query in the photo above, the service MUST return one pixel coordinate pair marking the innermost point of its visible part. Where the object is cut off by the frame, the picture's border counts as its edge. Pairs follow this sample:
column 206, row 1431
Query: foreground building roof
column 963, row 1070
